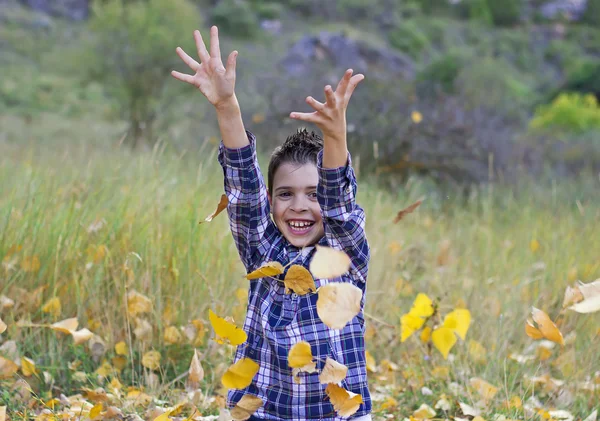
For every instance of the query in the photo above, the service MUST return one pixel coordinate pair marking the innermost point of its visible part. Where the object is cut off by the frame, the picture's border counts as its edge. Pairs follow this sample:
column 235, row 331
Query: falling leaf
column 52, row 307
column 587, row 297
column 222, row 205
column 344, row 402
column 409, row 209
column 424, row 412
column 121, row 348
column 300, row 355
column 338, row 303
column 416, row 117
column 459, row 321
column 226, row 330
column 545, row 327
column 371, row 363
column 28, row 367
column 246, row 407
column 2, row 326
column 333, row 372
column 240, row 374
column 308, row 368
column 443, row 339
column 268, row 269
column 486, row 390
column 299, row 280
column 151, row 360
column 328, row 263
column 138, row 303
column 196, row 373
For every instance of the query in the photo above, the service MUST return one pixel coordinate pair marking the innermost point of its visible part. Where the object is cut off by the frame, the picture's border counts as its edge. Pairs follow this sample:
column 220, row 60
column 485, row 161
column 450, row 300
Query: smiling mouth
column 299, row 227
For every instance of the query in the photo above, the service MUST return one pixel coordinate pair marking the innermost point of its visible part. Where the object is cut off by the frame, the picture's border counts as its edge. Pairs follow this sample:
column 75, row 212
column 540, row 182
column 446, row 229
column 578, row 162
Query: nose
column 299, row 204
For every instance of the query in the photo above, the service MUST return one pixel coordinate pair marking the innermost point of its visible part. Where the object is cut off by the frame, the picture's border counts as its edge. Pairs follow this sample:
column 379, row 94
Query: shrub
column 479, row 11
column 592, row 13
column 570, row 112
column 409, row 38
column 505, row 12
column 442, row 72
column 235, row 18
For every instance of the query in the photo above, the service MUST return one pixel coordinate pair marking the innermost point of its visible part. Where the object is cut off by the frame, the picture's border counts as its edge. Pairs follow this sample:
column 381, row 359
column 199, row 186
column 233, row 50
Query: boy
column 310, row 200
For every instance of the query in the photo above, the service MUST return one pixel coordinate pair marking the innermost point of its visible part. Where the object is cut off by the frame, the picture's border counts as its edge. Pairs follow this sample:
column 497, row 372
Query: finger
column 231, row 63
column 356, row 79
column 319, row 106
column 200, row 47
column 183, row 77
column 343, row 84
column 330, row 96
column 215, row 51
column 308, row 117
column 193, row 64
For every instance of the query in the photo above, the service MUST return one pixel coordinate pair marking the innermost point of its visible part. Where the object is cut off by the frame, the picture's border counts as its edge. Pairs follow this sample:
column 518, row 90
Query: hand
column 331, row 116
column 216, row 82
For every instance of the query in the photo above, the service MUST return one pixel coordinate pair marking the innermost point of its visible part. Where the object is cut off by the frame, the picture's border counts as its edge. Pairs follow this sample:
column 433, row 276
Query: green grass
column 54, row 185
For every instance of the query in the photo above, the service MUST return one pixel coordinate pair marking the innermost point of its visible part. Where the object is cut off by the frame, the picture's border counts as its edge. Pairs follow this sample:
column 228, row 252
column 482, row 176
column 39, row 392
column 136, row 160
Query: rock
column 76, row 10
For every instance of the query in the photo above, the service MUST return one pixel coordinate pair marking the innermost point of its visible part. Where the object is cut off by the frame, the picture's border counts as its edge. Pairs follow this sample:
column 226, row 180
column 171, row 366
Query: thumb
column 231, row 63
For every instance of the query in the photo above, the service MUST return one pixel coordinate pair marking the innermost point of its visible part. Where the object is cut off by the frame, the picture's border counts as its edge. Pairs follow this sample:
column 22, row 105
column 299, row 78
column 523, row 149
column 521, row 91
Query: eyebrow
column 291, row 188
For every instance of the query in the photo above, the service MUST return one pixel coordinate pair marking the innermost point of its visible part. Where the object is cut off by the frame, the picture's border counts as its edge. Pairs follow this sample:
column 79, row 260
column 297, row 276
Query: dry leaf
column 2, row 413
column 545, row 327
column 300, row 355
column 138, row 303
column 407, row 210
column 172, row 335
column 2, row 326
column 344, row 402
column 222, row 205
column 7, row 368
column 328, row 262
column 299, row 280
column 240, row 374
column 469, row 410
column 151, row 360
column 121, row 348
column 268, row 269
column 486, row 390
column 81, row 336
column 424, row 412
column 28, row 367
column 226, row 330
column 588, row 297
column 246, row 406
column 338, row 303
column 333, row 372
column 196, row 373
column 67, row 326
column 52, row 307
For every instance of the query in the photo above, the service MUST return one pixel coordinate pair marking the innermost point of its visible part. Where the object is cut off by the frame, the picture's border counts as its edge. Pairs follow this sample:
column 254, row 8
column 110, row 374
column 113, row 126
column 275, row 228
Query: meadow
column 84, row 226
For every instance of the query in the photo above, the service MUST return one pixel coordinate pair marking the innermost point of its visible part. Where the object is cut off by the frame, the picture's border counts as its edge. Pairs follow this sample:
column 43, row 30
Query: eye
column 284, row 194
column 312, row 195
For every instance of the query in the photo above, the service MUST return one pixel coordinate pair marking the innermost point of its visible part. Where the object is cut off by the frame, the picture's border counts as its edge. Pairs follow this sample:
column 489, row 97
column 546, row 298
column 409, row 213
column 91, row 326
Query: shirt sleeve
column 343, row 219
column 248, row 208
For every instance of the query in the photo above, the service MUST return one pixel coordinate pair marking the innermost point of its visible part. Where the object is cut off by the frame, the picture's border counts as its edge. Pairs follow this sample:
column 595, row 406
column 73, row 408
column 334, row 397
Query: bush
column 571, row 112
column 479, row 11
column 505, row 12
column 267, row 10
column 235, row 18
column 409, row 38
column 592, row 13
column 442, row 72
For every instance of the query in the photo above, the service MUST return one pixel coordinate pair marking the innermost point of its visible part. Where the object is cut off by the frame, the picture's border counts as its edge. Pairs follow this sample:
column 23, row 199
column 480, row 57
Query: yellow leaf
column 121, row 348
column 443, row 339
column 28, row 367
column 222, row 205
column 532, row 331
column 459, row 321
column 52, row 307
column 95, row 411
column 424, row 412
column 151, row 360
column 416, row 117
column 478, row 418
column 196, row 372
column 546, row 326
column 67, row 326
column 423, row 306
column 338, row 303
column 333, row 372
column 344, row 402
column 138, row 303
column 164, row 416
column 440, row 372
column 240, row 374
column 389, row 403
column 30, row 264
column 371, row 363
column 477, row 351
column 328, row 263
column 426, row 334
column 96, row 395
column 486, row 390
column 515, row 402
column 268, row 269
column 409, row 324
column 246, row 407
column 227, row 330
column 534, row 245
column 299, row 280
column 300, row 355
column 172, row 335
column 2, row 326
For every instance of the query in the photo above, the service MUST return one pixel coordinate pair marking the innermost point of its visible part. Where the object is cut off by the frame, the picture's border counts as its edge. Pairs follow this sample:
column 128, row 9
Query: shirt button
column 349, row 189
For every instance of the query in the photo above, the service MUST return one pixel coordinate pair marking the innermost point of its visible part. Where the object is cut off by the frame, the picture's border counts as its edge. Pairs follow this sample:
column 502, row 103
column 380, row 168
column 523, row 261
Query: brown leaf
column 2, row 326
column 299, row 280
column 546, row 326
column 268, row 269
column 407, row 210
column 246, row 407
column 333, row 372
column 344, row 402
column 222, row 205
column 196, row 373
column 7, row 368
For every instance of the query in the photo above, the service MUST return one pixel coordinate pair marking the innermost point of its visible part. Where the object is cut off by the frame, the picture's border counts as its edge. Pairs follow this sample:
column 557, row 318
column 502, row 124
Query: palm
column 216, row 82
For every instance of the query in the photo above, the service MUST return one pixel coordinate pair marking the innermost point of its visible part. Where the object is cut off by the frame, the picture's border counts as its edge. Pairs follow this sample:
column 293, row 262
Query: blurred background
column 461, row 91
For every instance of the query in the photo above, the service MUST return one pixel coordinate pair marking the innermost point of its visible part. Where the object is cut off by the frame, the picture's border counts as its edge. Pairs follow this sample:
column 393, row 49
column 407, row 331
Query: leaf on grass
column 28, row 367
column 196, row 373
column 338, row 303
column 82, row 335
column 486, row 390
column 407, row 210
column 300, row 355
column 67, row 326
column 268, row 269
column 95, row 411
column 459, row 321
column 423, row 306
column 222, row 205
column 469, row 410
column 592, row 417
column 138, row 303
column 328, row 263
column 344, row 402
column 151, row 360
column 240, row 374
column 589, row 295
column 443, row 339
column 425, row 412
column 226, row 330
column 409, row 324
column 2, row 413
column 333, row 372
column 545, row 327
column 52, row 307
column 2, row 326
column 7, row 368
column 246, row 407
column 299, row 280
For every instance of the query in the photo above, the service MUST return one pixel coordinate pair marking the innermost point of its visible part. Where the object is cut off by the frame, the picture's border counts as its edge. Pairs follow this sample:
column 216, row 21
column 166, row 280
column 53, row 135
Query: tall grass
column 466, row 250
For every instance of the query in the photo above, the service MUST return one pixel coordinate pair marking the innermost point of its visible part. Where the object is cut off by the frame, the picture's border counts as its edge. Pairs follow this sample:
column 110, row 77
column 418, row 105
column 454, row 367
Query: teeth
column 299, row 224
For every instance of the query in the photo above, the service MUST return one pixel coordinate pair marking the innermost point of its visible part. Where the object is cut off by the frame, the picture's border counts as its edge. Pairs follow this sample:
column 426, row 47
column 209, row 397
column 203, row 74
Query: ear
column 270, row 200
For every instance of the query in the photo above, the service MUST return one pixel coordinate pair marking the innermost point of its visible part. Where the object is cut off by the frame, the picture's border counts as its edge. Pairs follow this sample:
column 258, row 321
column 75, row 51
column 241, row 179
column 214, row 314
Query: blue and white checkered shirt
column 274, row 320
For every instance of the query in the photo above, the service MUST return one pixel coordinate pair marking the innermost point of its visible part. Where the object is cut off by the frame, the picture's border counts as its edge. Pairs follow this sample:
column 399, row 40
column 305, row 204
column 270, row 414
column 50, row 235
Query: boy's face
column 296, row 211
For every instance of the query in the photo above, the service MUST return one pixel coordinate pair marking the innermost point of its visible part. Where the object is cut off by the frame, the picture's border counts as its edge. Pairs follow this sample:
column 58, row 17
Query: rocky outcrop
column 71, row 9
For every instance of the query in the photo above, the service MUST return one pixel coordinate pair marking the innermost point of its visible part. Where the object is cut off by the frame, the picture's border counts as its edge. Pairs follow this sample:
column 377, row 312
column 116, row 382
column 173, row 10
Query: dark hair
column 301, row 148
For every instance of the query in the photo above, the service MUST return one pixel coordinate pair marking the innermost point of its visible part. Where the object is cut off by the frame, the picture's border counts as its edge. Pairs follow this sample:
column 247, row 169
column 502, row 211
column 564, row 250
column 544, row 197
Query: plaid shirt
column 274, row 320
